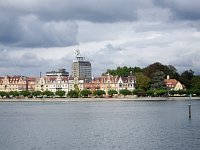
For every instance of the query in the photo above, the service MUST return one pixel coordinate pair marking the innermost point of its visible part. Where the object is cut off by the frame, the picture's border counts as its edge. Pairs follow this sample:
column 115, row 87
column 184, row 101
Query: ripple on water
column 99, row 125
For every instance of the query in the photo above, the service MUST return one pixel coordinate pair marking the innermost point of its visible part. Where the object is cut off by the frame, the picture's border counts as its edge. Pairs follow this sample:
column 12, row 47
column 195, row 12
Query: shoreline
column 99, row 99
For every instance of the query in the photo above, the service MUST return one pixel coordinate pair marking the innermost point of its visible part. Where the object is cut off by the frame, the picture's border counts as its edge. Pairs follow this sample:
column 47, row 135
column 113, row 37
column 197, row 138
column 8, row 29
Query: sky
column 39, row 36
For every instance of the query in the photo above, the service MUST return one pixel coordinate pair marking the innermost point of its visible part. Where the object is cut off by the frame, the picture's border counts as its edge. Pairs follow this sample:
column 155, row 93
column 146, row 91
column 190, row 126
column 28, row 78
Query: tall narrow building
column 81, row 68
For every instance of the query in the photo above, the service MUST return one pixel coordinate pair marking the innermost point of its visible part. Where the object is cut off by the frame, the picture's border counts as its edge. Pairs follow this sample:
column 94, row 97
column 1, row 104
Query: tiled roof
column 112, row 79
column 65, row 78
column 170, row 81
column 31, row 78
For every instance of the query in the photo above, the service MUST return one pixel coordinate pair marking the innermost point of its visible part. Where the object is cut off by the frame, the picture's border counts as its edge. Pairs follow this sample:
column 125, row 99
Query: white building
column 42, row 84
column 58, row 83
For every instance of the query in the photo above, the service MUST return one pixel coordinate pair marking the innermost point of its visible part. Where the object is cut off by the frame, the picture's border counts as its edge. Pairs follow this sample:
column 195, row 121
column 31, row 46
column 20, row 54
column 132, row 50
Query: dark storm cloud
column 49, row 23
column 182, row 9
column 139, row 32
column 29, row 31
column 90, row 10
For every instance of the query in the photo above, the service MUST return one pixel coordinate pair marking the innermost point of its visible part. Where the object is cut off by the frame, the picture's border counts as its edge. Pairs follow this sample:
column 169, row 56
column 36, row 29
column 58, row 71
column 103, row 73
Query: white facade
column 41, row 84
column 126, row 83
column 178, row 86
column 76, row 83
column 13, row 83
column 58, row 83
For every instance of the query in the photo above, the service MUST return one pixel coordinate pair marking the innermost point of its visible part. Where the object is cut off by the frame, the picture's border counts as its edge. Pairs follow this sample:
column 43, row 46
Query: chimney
column 168, row 77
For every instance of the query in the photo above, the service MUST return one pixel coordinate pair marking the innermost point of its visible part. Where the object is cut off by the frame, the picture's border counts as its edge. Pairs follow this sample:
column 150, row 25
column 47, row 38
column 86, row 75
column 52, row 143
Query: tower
column 81, row 68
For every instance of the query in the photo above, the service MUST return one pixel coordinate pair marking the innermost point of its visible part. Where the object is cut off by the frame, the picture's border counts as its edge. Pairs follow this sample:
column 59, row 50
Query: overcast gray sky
column 42, row 35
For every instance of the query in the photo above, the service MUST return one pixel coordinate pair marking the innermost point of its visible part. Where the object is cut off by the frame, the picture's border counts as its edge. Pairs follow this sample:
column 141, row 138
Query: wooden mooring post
column 190, row 107
column 189, row 111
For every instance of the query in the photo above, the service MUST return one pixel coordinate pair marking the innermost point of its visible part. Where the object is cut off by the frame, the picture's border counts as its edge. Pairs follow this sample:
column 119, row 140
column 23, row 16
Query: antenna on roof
column 77, row 52
column 168, row 77
column 78, row 56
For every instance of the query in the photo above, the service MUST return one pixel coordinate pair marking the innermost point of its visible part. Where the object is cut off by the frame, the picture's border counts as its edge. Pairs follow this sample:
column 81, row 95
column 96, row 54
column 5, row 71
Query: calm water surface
column 145, row 125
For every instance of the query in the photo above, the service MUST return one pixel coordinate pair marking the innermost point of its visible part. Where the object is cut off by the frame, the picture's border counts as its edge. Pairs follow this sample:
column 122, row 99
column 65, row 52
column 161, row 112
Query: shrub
column 85, row 93
column 3, row 94
column 25, row 93
column 36, row 93
column 73, row 94
column 125, row 92
column 112, row 92
column 139, row 92
column 13, row 93
column 99, row 93
column 48, row 93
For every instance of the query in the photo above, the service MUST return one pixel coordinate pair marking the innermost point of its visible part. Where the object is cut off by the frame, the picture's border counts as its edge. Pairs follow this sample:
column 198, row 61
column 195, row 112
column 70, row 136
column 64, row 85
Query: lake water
column 119, row 125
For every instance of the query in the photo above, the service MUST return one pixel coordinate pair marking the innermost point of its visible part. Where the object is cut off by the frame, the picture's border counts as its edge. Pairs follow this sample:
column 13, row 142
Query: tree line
column 152, row 76
column 48, row 94
column 99, row 93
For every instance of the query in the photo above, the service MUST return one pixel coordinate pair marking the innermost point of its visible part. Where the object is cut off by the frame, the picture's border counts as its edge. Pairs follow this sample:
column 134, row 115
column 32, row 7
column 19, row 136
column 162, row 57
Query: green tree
column 76, row 88
column 125, row 92
column 3, row 94
column 60, row 93
column 155, row 67
column 195, row 82
column 48, row 93
column 139, row 92
column 25, row 93
column 194, row 92
column 99, row 93
column 13, row 93
column 172, row 72
column 151, row 69
column 157, row 81
column 161, row 92
column 73, row 94
column 186, row 78
column 142, row 81
column 150, row 92
column 112, row 92
column 123, row 71
column 181, row 92
column 36, row 93
column 85, row 93
column 173, row 92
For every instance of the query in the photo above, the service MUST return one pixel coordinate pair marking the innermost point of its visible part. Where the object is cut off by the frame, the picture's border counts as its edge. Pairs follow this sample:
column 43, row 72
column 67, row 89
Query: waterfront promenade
column 97, row 99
